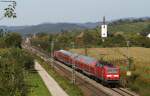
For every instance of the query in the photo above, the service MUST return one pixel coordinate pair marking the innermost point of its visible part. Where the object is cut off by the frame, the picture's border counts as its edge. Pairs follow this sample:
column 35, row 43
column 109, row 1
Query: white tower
column 104, row 29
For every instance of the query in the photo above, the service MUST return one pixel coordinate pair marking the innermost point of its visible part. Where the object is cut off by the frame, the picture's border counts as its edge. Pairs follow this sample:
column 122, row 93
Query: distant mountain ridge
column 58, row 27
column 50, row 27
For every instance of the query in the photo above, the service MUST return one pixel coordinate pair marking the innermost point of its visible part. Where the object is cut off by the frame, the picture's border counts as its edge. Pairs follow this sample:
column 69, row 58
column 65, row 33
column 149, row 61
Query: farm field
column 141, row 56
column 118, row 56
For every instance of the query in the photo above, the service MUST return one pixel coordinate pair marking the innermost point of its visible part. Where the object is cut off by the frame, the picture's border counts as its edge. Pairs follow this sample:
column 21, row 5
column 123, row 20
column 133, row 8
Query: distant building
column 27, row 40
column 148, row 35
column 34, row 35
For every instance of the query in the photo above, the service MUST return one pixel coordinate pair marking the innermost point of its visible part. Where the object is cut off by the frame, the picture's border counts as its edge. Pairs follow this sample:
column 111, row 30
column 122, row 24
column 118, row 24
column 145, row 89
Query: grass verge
column 71, row 90
column 36, row 86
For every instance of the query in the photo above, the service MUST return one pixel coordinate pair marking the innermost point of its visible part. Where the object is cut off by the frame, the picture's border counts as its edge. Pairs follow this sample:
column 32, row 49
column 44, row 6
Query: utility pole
column 128, row 59
column 85, row 49
column 73, row 66
column 52, row 53
column 128, row 42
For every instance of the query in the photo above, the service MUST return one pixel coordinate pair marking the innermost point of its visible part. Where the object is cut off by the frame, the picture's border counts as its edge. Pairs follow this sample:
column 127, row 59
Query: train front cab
column 107, row 73
column 111, row 75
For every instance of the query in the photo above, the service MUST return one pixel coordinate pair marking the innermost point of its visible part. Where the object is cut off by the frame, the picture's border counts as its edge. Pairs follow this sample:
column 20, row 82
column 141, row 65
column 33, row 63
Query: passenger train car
column 100, row 70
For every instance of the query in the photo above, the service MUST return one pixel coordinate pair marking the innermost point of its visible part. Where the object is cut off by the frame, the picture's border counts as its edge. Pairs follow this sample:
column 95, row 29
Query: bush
column 12, row 67
column 135, row 87
column 29, row 62
column 13, row 40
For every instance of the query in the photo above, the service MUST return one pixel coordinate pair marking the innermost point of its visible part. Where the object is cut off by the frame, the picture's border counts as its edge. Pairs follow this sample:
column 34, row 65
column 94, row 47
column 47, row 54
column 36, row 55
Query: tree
column 146, row 31
column 115, row 41
column 9, row 12
column 13, row 40
column 12, row 65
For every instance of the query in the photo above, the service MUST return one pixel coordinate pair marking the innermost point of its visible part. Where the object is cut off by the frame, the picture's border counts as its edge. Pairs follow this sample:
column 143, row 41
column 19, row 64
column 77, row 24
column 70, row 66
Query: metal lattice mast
column 128, row 44
column 104, row 33
column 52, row 53
column 73, row 67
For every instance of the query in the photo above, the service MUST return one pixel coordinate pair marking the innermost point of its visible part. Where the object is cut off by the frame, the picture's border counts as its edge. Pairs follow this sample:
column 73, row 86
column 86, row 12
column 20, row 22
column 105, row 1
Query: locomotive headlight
column 116, row 75
column 109, row 75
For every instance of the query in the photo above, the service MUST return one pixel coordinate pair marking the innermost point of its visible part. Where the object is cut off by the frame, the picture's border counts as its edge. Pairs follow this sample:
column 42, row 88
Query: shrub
column 12, row 67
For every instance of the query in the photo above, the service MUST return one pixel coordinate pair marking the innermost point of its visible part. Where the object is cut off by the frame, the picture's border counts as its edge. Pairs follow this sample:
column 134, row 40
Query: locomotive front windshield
column 112, row 70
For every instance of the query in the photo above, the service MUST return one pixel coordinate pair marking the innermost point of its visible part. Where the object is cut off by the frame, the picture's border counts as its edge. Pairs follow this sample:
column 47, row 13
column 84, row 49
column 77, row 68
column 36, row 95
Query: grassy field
column 140, row 56
column 140, row 80
column 36, row 86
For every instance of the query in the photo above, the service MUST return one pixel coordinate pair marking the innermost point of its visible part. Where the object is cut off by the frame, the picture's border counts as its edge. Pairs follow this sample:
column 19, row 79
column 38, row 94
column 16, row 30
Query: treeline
column 10, row 40
column 91, row 38
column 129, row 20
column 14, row 65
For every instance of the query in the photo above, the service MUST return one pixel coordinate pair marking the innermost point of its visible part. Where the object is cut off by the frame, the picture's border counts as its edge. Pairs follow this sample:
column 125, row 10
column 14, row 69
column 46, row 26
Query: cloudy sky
column 32, row 12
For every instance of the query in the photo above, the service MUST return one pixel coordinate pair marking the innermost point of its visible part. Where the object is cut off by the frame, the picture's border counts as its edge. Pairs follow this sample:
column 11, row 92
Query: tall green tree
column 9, row 11
column 13, row 40
column 13, row 62
column 146, row 31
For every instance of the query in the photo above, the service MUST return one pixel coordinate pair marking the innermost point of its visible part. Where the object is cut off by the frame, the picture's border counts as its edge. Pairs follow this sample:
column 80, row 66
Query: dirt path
column 51, row 84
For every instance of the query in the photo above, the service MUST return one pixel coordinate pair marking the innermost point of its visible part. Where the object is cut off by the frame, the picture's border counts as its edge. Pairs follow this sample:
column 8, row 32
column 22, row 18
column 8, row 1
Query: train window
column 99, row 65
column 112, row 70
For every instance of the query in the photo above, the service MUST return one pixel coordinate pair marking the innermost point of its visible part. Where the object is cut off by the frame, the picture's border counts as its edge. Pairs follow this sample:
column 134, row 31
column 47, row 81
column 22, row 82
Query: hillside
column 49, row 27
column 121, row 25
column 135, row 27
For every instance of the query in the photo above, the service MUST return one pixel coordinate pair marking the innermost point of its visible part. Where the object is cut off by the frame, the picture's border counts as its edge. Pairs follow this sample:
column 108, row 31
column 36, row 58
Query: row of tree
column 89, row 38
column 10, row 40
column 14, row 62
column 14, row 65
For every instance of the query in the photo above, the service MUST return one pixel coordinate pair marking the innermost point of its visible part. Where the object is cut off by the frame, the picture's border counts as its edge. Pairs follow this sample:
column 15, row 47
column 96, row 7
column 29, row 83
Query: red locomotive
column 100, row 70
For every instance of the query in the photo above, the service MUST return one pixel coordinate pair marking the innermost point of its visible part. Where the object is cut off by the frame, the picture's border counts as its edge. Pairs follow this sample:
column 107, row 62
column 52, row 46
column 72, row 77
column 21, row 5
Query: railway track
column 85, row 86
column 123, row 92
column 88, row 85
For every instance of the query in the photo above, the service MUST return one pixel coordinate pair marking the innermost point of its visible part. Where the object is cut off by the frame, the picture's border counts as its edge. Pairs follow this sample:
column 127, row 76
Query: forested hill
column 129, row 25
column 50, row 27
